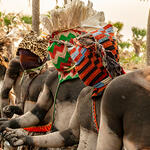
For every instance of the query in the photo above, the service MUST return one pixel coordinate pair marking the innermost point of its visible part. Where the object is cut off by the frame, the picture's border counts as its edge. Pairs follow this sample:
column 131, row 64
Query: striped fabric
column 60, row 56
column 96, row 58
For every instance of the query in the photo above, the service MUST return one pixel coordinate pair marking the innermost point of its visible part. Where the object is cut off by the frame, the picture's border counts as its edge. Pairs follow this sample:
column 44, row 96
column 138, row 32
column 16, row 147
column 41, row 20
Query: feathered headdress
column 73, row 15
column 65, row 24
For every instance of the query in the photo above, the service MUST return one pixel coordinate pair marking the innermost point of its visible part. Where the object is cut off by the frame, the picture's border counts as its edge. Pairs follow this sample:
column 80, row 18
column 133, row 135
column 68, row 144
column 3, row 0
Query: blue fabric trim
column 110, row 30
column 99, row 85
column 75, row 54
column 101, row 29
column 96, row 33
column 82, row 57
column 103, row 39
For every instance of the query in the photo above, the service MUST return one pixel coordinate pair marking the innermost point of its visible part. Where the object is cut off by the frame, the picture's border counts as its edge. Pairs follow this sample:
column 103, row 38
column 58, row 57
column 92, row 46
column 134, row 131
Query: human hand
column 15, row 137
column 4, row 123
column 10, row 110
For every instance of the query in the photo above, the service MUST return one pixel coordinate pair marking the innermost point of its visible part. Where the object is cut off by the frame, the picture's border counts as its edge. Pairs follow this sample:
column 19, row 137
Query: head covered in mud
column 32, row 51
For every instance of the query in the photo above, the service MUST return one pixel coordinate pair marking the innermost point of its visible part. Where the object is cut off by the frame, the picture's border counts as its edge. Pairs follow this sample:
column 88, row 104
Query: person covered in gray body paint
column 36, row 89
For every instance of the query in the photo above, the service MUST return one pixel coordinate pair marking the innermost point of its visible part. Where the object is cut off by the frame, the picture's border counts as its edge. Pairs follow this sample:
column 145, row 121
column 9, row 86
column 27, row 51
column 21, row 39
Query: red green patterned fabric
column 96, row 57
column 60, row 56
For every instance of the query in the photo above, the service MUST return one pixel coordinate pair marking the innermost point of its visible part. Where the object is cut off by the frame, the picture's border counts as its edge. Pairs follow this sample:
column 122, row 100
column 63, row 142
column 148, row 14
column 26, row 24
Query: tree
column 35, row 15
column 137, row 41
column 119, row 26
column 148, row 41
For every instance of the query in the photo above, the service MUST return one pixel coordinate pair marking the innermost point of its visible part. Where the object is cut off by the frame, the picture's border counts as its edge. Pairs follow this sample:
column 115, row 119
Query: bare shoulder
column 86, row 91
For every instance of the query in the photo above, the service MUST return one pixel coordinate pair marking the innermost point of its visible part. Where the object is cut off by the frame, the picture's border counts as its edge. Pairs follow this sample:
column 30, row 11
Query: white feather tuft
column 73, row 15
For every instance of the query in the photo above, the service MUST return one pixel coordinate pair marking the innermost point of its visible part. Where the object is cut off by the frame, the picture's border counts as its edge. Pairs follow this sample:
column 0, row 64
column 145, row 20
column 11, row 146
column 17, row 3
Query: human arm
column 34, row 116
column 11, row 75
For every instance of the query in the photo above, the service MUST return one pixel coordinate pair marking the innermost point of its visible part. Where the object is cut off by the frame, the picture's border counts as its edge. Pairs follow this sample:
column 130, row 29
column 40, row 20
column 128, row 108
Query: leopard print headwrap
column 35, row 44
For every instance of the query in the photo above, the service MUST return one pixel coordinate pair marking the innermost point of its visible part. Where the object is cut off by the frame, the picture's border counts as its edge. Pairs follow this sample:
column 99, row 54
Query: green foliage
column 48, row 14
column 129, row 60
column 143, row 46
column 7, row 21
column 138, row 33
column 135, row 59
column 124, row 45
column 57, row 7
column 27, row 19
column 12, row 20
column 118, row 25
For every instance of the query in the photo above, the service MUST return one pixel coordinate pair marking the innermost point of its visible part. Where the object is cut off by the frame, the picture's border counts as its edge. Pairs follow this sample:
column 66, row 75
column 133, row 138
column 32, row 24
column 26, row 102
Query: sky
column 130, row 12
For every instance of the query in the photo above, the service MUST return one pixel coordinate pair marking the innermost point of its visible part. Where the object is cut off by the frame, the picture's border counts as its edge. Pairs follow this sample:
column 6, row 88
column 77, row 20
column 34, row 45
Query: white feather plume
column 73, row 15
